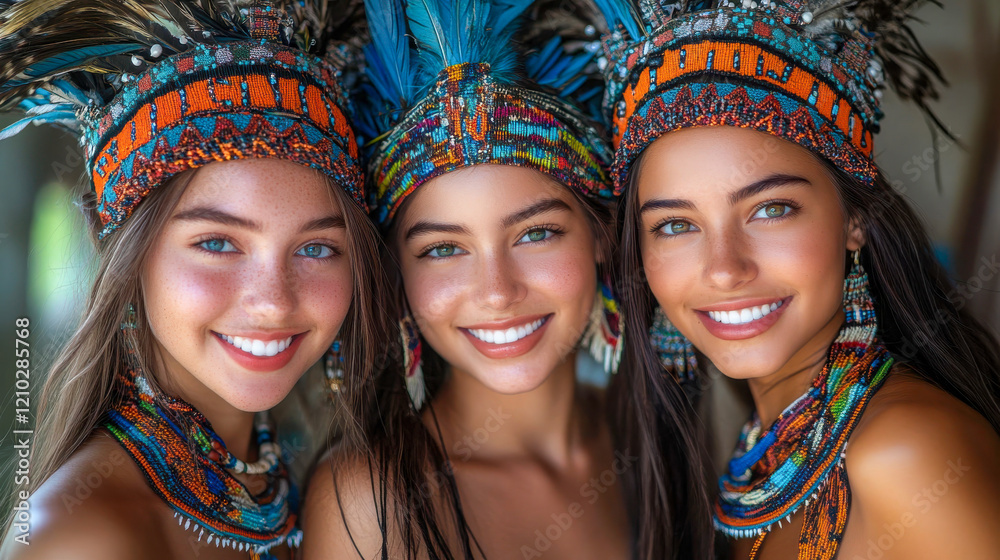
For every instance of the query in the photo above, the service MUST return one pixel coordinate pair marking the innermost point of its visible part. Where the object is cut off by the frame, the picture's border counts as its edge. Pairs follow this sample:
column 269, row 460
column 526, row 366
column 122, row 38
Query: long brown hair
column 410, row 469
column 922, row 321
column 81, row 385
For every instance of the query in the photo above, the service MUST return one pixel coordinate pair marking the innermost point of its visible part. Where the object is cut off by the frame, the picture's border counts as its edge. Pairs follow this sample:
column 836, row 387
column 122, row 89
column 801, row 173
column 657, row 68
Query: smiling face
column 744, row 239
column 499, row 268
column 248, row 283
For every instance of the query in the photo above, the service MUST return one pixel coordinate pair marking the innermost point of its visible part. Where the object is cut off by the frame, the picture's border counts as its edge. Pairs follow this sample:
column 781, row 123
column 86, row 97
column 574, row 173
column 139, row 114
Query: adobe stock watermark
column 921, row 503
column 473, row 442
column 590, row 493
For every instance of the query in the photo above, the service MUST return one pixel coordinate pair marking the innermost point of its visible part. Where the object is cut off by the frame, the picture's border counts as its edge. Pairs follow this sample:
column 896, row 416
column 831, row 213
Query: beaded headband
column 465, row 102
column 242, row 93
column 808, row 71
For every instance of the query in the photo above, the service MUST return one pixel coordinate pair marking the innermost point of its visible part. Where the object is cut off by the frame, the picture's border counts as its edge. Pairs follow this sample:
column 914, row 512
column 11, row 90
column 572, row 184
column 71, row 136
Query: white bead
column 807, row 17
column 136, row 61
column 155, row 51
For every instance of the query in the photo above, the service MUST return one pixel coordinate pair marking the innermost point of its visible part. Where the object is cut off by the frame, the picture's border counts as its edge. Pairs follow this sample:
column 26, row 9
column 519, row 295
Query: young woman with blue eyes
column 772, row 246
column 233, row 250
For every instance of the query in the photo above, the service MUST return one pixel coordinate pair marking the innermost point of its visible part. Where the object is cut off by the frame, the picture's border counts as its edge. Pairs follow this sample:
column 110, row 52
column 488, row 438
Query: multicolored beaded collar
column 468, row 95
column 156, row 88
column 798, row 461
column 808, row 71
column 187, row 465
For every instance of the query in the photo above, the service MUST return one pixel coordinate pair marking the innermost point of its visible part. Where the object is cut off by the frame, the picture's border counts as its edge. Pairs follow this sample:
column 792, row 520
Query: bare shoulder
column 344, row 509
column 922, row 455
column 91, row 507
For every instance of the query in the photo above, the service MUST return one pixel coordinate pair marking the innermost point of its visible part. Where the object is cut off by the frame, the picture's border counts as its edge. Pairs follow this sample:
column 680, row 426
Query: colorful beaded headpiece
column 808, row 71
column 468, row 95
column 157, row 88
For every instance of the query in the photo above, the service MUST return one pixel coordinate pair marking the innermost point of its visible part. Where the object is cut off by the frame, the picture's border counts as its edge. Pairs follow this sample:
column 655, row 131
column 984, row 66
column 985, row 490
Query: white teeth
column 259, row 347
column 507, row 336
column 743, row 315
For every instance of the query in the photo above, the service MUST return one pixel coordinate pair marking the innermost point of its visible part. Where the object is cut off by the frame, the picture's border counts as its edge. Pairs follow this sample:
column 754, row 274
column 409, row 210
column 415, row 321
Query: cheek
column 435, row 292
column 181, row 296
column 671, row 271
column 326, row 292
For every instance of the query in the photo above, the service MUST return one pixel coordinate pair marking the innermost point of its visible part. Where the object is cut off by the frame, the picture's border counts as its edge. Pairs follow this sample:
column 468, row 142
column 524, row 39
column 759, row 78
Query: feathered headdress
column 809, row 71
column 467, row 91
column 156, row 87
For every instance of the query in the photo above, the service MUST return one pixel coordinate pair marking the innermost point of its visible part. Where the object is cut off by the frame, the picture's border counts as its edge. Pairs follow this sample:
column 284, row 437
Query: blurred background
column 46, row 260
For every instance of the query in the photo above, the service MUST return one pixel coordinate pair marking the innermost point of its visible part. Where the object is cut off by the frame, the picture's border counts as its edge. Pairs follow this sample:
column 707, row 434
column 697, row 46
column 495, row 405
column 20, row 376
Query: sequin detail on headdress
column 157, row 88
column 468, row 95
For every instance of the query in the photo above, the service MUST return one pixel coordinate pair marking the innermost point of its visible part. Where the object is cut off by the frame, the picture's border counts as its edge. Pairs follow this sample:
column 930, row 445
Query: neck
column 234, row 426
column 773, row 393
column 478, row 423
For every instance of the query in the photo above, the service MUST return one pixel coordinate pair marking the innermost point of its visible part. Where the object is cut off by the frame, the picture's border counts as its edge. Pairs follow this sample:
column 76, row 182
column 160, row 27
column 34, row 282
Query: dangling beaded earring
column 604, row 336
column 129, row 324
column 333, row 367
column 674, row 349
column 411, row 360
column 859, row 308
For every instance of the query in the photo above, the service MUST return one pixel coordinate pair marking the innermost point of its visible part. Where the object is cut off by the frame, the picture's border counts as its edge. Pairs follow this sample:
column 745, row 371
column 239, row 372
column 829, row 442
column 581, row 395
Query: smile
column 507, row 336
column 742, row 316
column 258, row 347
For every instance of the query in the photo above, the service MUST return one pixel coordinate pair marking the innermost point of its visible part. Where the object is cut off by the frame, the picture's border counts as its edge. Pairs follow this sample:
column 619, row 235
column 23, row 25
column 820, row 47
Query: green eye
column 677, row 227
column 773, row 211
column 536, row 235
column 442, row 251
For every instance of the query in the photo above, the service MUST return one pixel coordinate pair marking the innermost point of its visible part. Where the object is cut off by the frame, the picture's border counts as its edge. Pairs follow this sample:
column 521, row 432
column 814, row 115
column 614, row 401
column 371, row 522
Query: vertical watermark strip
column 23, row 430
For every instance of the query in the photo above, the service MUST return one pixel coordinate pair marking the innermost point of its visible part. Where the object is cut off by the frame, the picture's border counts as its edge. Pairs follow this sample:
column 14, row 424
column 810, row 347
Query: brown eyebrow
column 535, row 209
column 328, row 222
column 540, row 207
column 206, row 214
column 770, row 182
column 203, row 213
column 425, row 227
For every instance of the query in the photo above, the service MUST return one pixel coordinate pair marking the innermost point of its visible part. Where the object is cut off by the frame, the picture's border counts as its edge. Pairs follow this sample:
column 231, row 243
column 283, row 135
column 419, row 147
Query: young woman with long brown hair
column 233, row 247
column 491, row 187
column 760, row 235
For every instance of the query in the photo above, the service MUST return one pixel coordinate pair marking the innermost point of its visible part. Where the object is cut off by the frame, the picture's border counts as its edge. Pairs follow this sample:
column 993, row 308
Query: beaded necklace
column 799, row 460
column 191, row 470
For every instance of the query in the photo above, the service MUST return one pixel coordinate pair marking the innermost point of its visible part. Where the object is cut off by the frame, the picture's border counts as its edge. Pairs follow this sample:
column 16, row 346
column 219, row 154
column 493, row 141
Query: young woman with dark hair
column 492, row 189
column 766, row 241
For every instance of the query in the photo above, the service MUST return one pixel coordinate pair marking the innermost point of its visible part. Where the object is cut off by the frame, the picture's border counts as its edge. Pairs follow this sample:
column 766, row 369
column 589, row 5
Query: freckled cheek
column 435, row 296
column 809, row 261
column 563, row 277
column 326, row 295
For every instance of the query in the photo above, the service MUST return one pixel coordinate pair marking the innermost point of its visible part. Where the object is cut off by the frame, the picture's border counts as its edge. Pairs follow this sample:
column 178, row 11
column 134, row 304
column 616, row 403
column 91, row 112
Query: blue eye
column 536, row 235
column 771, row 211
column 315, row 251
column 444, row 251
column 217, row 246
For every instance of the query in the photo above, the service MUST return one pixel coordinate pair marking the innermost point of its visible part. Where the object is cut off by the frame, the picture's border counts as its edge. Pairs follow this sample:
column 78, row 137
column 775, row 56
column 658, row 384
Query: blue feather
column 428, row 28
column 389, row 52
column 621, row 12
column 62, row 61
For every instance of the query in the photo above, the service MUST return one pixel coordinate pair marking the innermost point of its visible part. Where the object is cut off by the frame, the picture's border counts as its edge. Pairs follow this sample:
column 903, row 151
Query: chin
column 511, row 381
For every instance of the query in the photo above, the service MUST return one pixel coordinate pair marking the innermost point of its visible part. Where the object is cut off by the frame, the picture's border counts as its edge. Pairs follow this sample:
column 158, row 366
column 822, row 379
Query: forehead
column 259, row 187
column 481, row 195
column 713, row 160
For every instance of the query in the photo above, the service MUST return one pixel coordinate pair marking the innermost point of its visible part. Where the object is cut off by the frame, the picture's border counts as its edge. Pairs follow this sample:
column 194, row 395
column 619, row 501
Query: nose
column 730, row 263
column 269, row 289
column 500, row 282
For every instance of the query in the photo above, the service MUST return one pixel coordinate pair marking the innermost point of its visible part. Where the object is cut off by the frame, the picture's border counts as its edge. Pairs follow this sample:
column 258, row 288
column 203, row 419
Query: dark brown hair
column 408, row 463
column 922, row 320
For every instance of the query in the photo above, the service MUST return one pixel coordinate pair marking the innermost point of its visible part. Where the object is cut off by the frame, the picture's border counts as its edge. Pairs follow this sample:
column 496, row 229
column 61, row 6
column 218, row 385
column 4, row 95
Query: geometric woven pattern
column 219, row 103
column 468, row 119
